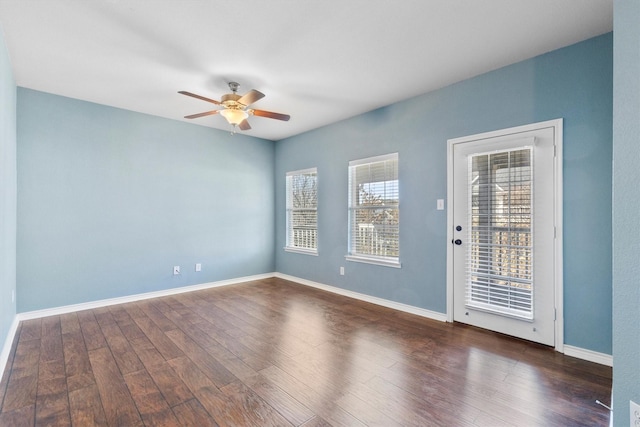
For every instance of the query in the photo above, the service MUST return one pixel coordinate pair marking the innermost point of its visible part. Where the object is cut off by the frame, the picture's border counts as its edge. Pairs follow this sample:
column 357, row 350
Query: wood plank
column 211, row 398
column 170, row 385
column 255, row 361
column 311, row 397
column 21, row 392
column 69, row 323
column 51, row 363
column 192, row 413
column 22, row 417
column 153, row 408
column 156, row 316
column 161, row 342
column 31, row 330
column 147, row 352
column 103, row 316
column 368, row 413
column 334, row 376
column 119, row 313
column 128, row 327
column 410, row 409
column 231, row 362
column 91, row 332
column 52, row 404
column 23, row 380
column 199, row 332
column 85, row 407
column 176, row 306
column 26, row 358
column 4, row 381
column 190, row 374
column 177, row 317
column 242, row 325
column 201, row 306
column 133, row 310
column 213, row 369
column 292, row 410
column 118, row 405
column 252, row 407
column 76, row 359
column 316, row 422
column 123, row 353
column 51, row 342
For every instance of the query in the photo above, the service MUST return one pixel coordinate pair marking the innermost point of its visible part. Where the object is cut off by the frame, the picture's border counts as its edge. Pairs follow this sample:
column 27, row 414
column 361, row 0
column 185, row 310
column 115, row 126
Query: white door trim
column 557, row 125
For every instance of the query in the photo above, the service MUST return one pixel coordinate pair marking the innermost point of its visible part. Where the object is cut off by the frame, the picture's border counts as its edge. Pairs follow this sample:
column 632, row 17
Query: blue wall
column 626, row 202
column 574, row 83
column 8, row 176
column 110, row 200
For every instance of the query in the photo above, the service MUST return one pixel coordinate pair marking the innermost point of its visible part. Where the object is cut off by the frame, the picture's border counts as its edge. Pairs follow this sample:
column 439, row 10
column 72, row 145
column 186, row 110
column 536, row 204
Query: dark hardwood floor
column 274, row 353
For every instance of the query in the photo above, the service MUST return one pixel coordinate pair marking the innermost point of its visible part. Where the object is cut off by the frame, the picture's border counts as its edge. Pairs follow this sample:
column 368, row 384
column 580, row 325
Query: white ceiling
column 318, row 60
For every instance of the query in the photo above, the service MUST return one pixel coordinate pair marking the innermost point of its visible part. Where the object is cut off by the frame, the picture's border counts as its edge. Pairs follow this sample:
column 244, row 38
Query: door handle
column 457, row 242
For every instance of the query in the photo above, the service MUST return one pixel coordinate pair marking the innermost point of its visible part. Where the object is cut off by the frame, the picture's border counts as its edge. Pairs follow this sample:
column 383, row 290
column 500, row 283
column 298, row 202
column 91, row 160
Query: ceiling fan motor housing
column 230, row 100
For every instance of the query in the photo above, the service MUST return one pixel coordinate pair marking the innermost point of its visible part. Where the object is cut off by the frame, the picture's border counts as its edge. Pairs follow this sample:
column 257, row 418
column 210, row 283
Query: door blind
column 500, row 227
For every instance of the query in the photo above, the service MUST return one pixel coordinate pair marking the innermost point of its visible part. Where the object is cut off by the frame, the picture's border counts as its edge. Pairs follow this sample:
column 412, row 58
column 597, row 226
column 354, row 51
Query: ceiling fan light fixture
column 235, row 108
column 234, row 116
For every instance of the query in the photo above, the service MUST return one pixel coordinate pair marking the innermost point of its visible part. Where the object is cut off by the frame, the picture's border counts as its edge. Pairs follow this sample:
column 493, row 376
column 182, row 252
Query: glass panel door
column 500, row 255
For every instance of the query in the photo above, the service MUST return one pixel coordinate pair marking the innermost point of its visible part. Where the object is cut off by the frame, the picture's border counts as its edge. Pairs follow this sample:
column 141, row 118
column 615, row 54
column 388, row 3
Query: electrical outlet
column 342, row 271
column 634, row 414
column 176, row 270
column 198, row 267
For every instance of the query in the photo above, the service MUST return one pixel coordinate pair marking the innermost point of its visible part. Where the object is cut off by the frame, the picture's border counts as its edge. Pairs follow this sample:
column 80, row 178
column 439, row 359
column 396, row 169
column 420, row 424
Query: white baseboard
column 591, row 356
column 138, row 297
column 368, row 298
column 6, row 348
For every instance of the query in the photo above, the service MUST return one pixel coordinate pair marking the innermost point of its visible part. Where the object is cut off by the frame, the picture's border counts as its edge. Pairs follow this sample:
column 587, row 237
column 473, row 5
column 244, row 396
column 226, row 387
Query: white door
column 503, row 244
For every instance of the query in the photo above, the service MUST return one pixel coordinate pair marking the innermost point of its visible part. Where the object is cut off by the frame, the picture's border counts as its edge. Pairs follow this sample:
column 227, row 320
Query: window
column 374, row 211
column 500, row 260
column 302, row 211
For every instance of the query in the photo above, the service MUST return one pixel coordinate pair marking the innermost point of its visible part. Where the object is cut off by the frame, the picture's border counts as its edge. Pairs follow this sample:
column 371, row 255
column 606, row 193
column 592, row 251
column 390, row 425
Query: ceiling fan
column 236, row 108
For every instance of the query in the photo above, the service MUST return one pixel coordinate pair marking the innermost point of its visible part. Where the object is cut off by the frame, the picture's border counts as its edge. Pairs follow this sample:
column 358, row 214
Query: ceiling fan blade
column 251, row 97
column 206, row 113
column 244, row 125
column 271, row 115
column 193, row 95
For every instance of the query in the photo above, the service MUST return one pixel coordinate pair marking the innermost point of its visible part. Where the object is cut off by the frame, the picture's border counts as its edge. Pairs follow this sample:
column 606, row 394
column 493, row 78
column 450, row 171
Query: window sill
column 313, row 252
column 376, row 261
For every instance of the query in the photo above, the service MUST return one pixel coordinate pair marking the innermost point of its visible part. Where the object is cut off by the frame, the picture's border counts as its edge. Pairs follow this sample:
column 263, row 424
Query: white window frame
column 388, row 261
column 289, row 242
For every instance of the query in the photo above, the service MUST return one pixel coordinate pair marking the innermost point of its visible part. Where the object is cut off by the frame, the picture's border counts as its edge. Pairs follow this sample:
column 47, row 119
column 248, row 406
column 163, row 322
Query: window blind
column 374, row 208
column 500, row 254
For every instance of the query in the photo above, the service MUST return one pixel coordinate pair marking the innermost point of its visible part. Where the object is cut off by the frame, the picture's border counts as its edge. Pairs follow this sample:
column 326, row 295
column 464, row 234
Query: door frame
column 558, row 264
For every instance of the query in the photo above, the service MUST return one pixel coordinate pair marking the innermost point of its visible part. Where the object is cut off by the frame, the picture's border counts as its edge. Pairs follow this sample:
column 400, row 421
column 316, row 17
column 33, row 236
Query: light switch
column 440, row 204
